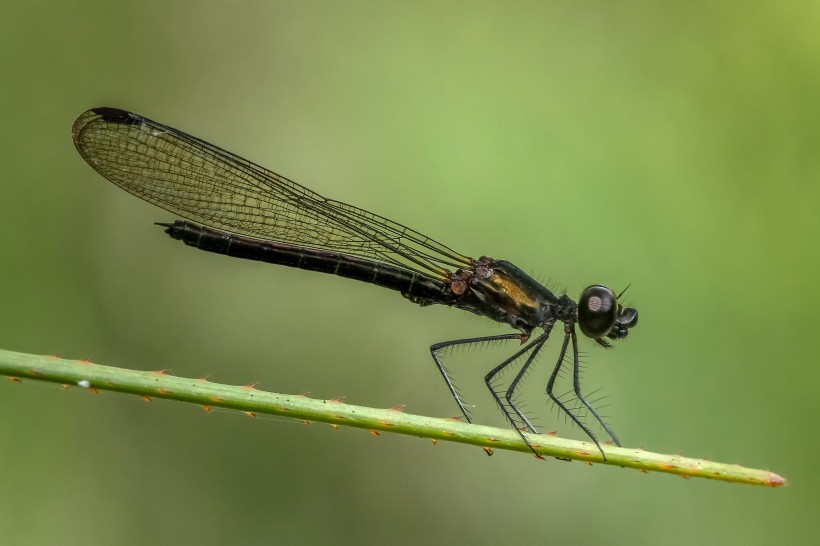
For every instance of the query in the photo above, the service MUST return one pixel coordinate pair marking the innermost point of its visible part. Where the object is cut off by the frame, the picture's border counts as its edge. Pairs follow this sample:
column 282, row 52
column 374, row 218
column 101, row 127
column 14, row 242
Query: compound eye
column 597, row 311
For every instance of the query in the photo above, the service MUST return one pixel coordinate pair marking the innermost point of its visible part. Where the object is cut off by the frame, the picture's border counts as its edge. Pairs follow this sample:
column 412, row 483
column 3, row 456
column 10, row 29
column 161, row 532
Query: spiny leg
column 434, row 349
column 569, row 332
column 534, row 346
column 511, row 390
column 576, row 383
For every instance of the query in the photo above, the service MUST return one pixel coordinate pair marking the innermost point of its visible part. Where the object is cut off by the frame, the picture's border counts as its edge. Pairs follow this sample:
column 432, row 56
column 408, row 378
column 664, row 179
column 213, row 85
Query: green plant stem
column 247, row 399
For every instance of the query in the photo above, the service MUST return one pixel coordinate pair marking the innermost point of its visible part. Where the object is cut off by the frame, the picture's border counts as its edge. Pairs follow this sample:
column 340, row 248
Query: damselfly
column 237, row 208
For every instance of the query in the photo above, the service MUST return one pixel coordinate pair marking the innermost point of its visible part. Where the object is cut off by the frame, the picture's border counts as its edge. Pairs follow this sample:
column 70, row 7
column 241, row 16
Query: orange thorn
column 338, row 400
column 335, row 426
column 306, row 422
column 147, row 398
column 492, row 438
column 374, row 432
column 85, row 361
column 250, row 386
column 304, row 394
column 553, row 433
column 94, row 390
column 487, row 450
column 207, row 408
column 249, row 413
column 537, row 456
column 399, row 409
column 161, row 372
column 65, row 386
column 217, row 398
column 163, row 390
column 15, row 379
column 588, row 463
column 205, row 379
column 434, row 441
column 456, row 418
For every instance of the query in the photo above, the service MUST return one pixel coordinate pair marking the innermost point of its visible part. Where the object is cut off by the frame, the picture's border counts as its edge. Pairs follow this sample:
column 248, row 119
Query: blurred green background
column 673, row 146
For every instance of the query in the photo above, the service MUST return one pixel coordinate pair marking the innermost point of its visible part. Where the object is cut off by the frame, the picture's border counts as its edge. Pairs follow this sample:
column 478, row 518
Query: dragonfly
column 237, row 208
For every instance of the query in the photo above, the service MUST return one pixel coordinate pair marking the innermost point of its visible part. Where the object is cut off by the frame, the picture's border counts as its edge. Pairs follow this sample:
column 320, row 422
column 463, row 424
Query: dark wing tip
column 115, row 115
column 105, row 114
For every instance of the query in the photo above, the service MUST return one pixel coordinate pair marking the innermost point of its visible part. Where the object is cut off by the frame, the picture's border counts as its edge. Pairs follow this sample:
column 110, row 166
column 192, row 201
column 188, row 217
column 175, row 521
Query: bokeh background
column 670, row 145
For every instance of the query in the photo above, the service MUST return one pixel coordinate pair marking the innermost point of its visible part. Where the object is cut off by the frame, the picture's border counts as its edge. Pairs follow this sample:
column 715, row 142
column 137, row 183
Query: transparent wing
column 205, row 184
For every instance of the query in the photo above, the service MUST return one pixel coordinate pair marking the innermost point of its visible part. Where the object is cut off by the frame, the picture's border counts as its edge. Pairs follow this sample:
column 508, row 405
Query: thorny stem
column 95, row 377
